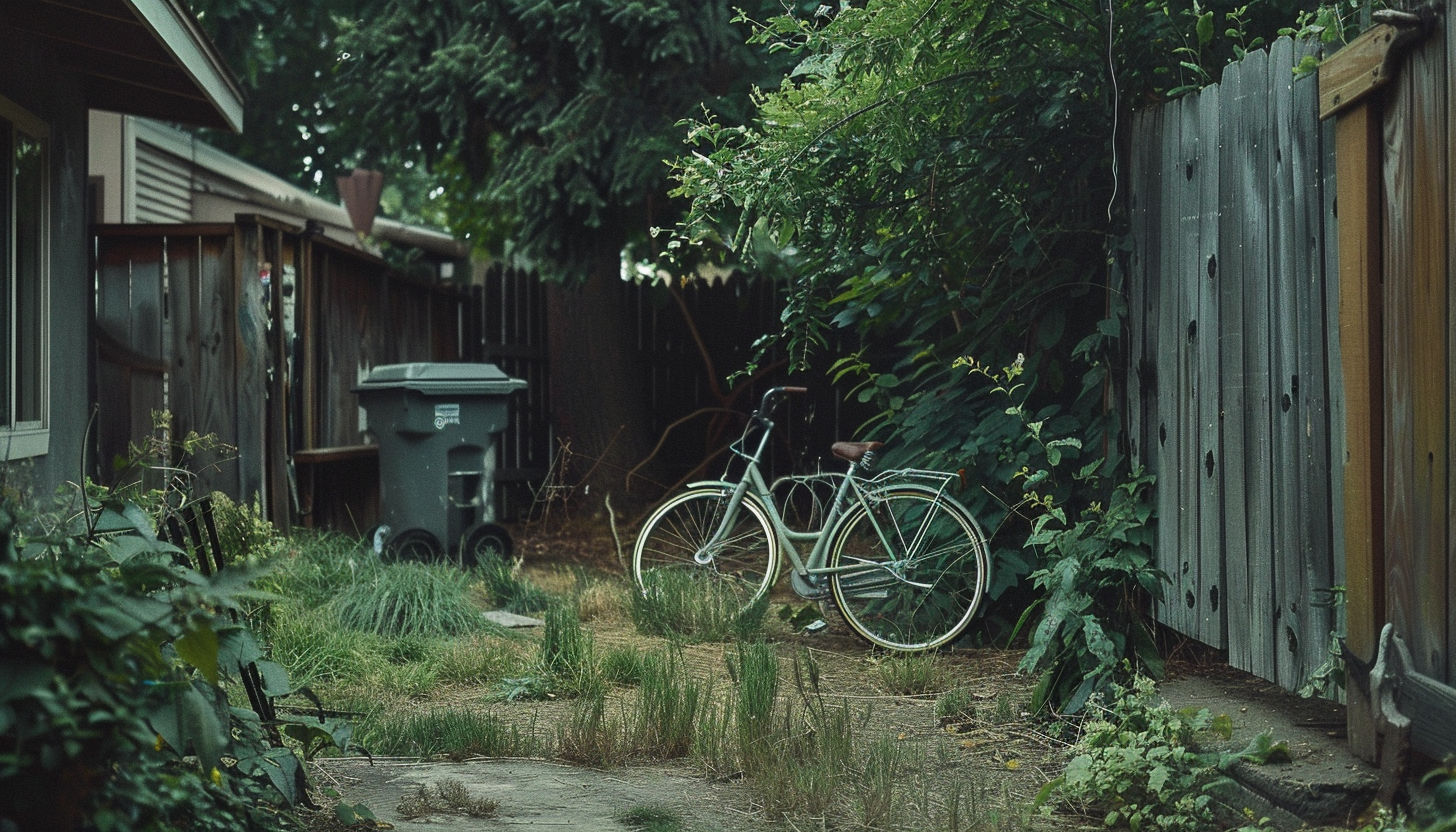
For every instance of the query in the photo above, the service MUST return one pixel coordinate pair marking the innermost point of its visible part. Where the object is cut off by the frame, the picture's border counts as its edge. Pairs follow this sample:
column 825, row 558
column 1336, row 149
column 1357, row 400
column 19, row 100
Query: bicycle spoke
column 744, row 560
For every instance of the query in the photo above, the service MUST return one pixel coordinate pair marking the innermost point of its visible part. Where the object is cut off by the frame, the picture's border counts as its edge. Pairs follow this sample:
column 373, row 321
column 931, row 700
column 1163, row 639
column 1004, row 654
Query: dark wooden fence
column 689, row 338
column 1233, row 340
column 185, row 322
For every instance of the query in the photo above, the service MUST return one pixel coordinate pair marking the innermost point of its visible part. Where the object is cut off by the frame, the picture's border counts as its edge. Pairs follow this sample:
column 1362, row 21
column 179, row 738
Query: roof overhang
column 145, row 57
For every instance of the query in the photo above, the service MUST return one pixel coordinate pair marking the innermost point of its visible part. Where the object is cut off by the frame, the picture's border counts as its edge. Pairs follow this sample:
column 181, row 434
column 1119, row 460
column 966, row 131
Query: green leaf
column 275, row 678
column 198, row 647
column 23, row 676
column 1263, row 749
column 1205, row 29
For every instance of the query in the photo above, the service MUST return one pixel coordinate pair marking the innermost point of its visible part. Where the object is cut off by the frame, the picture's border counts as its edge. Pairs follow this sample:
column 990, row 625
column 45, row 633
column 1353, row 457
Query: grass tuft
column 909, row 675
column 454, row 733
column 684, row 604
column 409, row 599
column 502, row 581
column 652, row 818
column 448, row 797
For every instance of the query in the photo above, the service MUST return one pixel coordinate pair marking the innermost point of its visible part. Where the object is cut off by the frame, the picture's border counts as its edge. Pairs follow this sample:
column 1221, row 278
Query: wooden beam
column 1357, row 151
column 1357, row 70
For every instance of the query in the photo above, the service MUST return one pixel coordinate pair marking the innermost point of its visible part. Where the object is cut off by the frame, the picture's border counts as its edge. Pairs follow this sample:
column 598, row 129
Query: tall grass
column 684, row 604
column 502, row 581
column 670, row 704
column 568, row 656
column 409, row 599
column 910, row 675
column 455, row 733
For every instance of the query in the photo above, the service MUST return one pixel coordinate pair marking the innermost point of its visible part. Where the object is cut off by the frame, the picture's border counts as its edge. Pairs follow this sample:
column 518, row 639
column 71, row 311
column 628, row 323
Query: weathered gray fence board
column 1212, row 629
column 1315, row 465
column 1233, row 130
column 1288, row 592
column 1170, row 486
column 1233, row 249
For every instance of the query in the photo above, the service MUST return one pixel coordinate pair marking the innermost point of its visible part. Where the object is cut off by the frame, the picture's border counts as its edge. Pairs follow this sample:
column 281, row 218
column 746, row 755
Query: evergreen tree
column 562, row 114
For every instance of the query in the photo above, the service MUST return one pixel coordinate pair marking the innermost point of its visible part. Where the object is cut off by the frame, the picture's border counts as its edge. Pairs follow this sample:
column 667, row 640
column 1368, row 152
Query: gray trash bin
column 436, row 426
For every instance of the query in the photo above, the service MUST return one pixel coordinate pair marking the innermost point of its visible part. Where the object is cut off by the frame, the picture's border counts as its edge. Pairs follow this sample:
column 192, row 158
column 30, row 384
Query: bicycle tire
column 746, row 563
column 921, row 596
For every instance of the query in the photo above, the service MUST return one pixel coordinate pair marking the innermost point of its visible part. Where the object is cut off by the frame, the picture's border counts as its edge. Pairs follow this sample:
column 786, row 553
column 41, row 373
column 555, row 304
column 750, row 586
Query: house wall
column 31, row 77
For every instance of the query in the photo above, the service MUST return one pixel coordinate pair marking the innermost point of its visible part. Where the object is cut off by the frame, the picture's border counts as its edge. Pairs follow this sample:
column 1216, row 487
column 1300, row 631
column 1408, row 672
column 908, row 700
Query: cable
column 1116, row 105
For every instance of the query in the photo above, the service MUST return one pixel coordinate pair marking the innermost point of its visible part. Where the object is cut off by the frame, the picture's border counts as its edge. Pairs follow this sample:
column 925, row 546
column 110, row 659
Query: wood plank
column 1316, row 521
column 1336, row 396
column 1429, row 373
column 1289, row 596
column 1208, row 461
column 1450, row 148
column 1174, row 612
column 186, row 386
column 251, row 347
column 1358, row 186
column 215, row 314
column 1398, row 178
column 1233, row 132
column 1357, row 70
column 1184, row 176
column 1138, row 315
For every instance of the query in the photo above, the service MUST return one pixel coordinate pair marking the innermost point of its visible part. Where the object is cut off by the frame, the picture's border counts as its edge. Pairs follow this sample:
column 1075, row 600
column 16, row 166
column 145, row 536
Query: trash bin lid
column 440, row 379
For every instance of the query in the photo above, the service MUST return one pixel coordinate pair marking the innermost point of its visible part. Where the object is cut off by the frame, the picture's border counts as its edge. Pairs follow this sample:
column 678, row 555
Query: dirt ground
column 1003, row 754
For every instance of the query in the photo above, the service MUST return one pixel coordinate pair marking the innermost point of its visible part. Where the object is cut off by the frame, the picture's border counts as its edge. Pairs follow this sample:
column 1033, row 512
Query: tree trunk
column 598, row 391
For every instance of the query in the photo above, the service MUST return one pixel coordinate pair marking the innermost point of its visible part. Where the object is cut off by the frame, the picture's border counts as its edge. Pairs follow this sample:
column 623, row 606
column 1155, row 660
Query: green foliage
column 909, row 675
column 560, row 113
column 568, row 660
column 114, row 660
column 651, row 818
column 1097, row 565
column 1137, row 765
column 506, row 588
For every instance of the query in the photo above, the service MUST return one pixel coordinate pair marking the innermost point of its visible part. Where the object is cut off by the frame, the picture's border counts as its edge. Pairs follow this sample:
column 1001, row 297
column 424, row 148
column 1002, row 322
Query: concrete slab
column 1324, row 785
column 531, row 793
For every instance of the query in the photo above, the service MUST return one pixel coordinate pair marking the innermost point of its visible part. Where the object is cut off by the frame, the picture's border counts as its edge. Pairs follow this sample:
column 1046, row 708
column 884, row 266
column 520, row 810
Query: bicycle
column 904, row 562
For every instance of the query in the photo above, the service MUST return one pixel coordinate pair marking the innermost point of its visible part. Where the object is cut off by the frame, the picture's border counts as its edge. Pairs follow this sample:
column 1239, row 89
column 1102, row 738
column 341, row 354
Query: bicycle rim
column 920, row 569
column 744, row 563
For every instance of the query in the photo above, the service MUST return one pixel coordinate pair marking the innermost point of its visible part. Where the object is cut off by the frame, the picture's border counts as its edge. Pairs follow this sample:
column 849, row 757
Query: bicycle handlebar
column 770, row 398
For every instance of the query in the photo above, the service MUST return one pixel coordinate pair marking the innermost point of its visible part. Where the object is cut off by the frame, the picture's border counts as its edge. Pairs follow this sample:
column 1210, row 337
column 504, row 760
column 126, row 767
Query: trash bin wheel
column 484, row 541
column 413, row 545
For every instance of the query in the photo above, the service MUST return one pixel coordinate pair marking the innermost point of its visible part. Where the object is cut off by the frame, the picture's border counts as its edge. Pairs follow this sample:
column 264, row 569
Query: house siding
column 31, row 77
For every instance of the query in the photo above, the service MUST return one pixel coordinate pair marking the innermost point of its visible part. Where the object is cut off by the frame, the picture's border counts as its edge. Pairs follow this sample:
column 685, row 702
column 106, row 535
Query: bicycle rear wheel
column 913, row 568
column 744, row 563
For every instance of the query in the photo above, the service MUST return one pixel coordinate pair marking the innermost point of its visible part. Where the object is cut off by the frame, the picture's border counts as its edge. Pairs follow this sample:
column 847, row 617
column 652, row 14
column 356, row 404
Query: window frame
column 30, row 438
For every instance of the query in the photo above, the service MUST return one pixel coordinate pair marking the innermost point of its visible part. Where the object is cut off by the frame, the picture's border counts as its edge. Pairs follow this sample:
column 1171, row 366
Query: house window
column 24, row 282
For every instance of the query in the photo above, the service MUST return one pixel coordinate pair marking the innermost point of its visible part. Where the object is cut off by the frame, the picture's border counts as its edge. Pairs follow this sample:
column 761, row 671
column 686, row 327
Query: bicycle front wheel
column 910, row 568
column 677, row 542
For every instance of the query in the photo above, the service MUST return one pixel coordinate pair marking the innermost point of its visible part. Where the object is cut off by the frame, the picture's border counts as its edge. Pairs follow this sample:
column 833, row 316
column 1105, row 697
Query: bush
column 113, row 658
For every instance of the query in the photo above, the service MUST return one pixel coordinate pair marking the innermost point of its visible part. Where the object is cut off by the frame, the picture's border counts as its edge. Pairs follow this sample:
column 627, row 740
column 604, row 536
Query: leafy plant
column 1097, row 565
column 1137, row 764
column 114, row 659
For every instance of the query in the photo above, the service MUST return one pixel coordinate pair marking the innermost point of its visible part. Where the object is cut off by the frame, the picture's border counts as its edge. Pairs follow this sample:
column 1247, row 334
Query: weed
column 652, row 818
column 478, row 658
column 1136, row 764
column 568, row 658
column 669, row 705
column 409, row 599
column 623, row 665
column 678, row 603
column 956, row 705
column 449, row 797
column 507, row 589
column 909, row 675
column 755, row 670
column 592, row 737
column 455, row 733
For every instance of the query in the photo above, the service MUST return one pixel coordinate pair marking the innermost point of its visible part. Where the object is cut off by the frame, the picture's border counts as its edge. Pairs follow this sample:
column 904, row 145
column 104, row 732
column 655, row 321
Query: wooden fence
column 254, row 332
column 1233, row 340
column 674, row 330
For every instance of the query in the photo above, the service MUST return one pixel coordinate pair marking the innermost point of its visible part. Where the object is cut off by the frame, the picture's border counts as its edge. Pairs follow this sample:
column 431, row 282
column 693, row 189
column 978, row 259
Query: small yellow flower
column 1012, row 765
column 158, row 744
column 216, row 777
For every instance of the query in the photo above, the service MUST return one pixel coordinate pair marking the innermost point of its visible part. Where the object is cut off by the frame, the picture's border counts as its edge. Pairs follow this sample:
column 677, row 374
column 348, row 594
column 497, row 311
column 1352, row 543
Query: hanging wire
column 1116, row 105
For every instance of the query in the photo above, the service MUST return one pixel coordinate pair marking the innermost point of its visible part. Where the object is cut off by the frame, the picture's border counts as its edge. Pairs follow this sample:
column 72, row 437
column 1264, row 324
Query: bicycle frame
column 752, row 479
